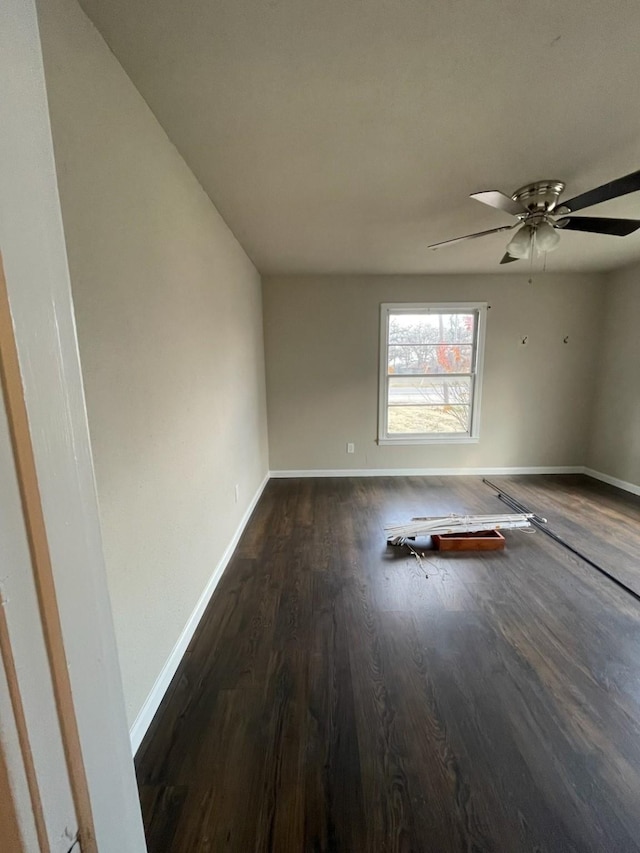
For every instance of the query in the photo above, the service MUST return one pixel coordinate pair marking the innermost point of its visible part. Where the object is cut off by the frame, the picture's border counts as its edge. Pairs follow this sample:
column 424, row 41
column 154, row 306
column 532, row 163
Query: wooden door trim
column 15, row 697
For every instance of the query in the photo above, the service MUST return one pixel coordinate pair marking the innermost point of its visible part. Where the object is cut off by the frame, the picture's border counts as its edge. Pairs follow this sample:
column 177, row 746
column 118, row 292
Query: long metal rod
column 541, row 524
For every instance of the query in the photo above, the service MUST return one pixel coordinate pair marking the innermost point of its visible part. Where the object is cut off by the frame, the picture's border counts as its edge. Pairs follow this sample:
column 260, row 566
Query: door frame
column 12, row 396
column 42, row 321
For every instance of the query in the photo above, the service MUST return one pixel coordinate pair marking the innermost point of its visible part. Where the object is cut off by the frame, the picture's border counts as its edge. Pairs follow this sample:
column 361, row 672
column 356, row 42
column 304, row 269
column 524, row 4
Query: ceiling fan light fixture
column 536, row 207
column 546, row 237
column 520, row 244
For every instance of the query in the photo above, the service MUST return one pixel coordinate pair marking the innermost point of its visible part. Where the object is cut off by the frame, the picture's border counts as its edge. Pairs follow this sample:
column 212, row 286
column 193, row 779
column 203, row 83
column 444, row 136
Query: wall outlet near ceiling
column 351, row 448
column 236, row 492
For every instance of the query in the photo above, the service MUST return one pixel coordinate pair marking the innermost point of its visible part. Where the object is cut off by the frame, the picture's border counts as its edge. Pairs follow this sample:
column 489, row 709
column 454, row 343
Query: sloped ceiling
column 346, row 135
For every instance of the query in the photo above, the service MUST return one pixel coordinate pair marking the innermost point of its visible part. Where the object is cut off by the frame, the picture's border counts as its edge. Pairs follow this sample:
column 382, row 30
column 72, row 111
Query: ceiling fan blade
column 473, row 236
column 599, row 225
column 507, row 259
column 614, row 189
column 500, row 201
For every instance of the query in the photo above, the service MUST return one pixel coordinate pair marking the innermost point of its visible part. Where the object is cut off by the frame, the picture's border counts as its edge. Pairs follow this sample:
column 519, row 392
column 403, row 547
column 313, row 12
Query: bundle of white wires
column 443, row 525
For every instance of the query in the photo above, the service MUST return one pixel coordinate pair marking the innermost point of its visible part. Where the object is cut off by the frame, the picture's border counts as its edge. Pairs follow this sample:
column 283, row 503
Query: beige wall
column 321, row 338
column 168, row 309
column 615, row 438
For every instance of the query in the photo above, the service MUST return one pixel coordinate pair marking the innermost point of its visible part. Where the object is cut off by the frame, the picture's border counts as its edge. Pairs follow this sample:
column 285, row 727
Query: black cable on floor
column 541, row 524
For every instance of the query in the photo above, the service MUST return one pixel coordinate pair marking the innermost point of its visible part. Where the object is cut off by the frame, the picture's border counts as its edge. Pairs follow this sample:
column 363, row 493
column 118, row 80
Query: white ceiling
column 346, row 135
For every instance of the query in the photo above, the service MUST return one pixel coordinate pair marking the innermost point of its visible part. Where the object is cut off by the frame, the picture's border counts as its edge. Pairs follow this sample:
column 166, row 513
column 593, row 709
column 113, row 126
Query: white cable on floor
column 443, row 525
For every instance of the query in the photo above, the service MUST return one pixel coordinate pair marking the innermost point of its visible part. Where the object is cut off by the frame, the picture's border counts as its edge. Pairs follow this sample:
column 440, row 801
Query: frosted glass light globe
column 520, row 244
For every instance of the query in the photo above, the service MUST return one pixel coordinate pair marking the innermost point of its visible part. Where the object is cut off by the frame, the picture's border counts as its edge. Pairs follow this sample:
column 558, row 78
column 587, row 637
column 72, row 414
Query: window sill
column 445, row 439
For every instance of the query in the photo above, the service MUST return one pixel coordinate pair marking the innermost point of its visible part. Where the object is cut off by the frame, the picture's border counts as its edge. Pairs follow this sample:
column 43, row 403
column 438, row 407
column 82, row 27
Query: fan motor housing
column 539, row 197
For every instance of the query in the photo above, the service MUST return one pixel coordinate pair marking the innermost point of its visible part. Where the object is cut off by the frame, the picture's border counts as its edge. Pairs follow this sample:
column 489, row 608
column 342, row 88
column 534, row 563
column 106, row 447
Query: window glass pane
column 433, row 328
column 428, row 419
column 428, row 391
column 431, row 358
column 430, row 380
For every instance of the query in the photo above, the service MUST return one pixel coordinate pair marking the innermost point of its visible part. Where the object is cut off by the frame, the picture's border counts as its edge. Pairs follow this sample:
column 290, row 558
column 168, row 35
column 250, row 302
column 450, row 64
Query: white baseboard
column 612, row 481
column 153, row 700
column 426, row 472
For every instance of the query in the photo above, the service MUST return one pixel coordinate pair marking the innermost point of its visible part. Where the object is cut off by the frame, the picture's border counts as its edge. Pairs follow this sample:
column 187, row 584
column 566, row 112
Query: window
column 430, row 372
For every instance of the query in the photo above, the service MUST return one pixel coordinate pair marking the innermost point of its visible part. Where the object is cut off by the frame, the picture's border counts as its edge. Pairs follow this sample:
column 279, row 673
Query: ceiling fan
column 540, row 215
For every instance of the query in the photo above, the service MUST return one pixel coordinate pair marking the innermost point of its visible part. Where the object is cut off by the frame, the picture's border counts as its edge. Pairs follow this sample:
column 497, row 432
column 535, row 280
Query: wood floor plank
column 221, row 811
column 332, row 765
column 599, row 520
column 280, row 824
column 445, row 812
column 389, row 815
column 162, row 806
column 341, row 696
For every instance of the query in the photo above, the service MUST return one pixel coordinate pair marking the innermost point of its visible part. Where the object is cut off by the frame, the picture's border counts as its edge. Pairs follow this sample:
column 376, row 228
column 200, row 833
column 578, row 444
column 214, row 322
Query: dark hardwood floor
column 335, row 698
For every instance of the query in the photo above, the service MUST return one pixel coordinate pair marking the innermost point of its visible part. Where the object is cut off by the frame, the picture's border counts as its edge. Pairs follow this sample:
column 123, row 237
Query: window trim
column 471, row 437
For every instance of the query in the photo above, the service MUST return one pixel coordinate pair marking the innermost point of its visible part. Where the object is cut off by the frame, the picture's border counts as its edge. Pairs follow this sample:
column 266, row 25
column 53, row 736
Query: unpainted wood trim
column 11, row 834
column 21, row 728
column 12, row 387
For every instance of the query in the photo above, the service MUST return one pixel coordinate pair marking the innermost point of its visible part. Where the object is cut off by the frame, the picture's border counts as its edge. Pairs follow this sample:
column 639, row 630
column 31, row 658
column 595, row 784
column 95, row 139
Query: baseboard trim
column 153, row 700
column 612, row 481
column 425, row 472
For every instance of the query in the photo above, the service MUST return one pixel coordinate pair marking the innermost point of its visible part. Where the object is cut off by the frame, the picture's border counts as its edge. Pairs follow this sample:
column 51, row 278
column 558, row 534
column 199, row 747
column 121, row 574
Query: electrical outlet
column 351, row 448
column 236, row 492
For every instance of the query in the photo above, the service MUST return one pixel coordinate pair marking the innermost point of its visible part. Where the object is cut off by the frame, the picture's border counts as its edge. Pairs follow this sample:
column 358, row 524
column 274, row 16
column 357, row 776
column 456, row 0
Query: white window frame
column 473, row 435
